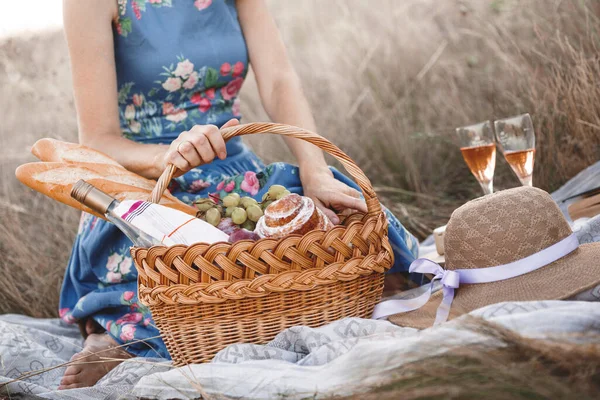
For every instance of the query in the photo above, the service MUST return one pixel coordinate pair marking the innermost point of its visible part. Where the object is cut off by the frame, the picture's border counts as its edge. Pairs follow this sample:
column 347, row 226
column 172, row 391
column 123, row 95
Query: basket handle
column 373, row 205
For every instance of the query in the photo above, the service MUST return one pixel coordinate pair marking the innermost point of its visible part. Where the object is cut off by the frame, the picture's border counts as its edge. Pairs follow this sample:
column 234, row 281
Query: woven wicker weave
column 205, row 297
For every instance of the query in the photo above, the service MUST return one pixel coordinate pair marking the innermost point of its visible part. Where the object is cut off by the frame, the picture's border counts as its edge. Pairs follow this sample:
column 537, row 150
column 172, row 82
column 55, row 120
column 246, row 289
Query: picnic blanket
column 341, row 358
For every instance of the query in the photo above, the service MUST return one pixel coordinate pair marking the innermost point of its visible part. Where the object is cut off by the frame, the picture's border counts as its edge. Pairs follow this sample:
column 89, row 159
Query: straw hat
column 502, row 228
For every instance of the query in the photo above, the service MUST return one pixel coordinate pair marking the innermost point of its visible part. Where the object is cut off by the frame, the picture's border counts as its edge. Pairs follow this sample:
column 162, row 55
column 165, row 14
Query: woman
column 153, row 82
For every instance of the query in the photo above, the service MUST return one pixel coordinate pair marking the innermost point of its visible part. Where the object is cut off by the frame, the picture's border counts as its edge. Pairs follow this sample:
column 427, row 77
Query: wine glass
column 517, row 142
column 478, row 148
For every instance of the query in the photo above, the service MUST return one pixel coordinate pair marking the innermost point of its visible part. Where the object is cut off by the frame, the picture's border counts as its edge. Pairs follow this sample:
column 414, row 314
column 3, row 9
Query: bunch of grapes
column 241, row 211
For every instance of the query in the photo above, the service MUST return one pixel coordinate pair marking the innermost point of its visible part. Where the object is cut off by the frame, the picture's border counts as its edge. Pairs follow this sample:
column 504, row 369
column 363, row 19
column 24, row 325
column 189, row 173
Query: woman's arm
column 282, row 97
column 88, row 29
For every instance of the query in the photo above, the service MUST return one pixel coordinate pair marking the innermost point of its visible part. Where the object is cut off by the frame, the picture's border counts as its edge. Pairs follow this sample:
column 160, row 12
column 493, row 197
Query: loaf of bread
column 52, row 150
column 293, row 214
column 55, row 180
column 66, row 163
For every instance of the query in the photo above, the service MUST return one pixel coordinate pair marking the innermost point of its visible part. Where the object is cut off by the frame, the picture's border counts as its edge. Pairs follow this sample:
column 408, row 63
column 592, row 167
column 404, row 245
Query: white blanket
column 342, row 358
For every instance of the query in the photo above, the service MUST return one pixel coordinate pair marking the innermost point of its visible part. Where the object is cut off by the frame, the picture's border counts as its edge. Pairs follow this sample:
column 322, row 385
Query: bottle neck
column 110, row 210
column 93, row 197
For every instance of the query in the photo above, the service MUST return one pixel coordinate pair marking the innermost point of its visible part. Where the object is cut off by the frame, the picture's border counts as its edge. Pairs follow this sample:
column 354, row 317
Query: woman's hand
column 330, row 194
column 200, row 145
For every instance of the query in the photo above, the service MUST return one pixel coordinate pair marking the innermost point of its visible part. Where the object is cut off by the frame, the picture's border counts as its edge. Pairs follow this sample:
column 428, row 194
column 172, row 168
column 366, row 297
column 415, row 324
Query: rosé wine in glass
column 479, row 151
column 516, row 138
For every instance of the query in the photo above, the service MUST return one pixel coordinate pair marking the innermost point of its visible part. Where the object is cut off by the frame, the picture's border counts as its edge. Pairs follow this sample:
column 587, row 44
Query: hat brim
column 562, row 279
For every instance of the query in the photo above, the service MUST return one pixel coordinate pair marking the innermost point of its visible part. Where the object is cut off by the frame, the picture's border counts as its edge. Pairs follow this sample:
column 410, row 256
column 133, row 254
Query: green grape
column 266, row 197
column 283, row 194
column 213, row 216
column 231, row 200
column 248, row 201
column 275, row 190
column 254, row 212
column 266, row 204
column 228, row 211
column 204, row 204
column 239, row 216
column 249, row 225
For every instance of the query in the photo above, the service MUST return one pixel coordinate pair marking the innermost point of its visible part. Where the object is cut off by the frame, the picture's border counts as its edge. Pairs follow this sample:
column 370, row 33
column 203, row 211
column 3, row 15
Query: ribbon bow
column 451, row 279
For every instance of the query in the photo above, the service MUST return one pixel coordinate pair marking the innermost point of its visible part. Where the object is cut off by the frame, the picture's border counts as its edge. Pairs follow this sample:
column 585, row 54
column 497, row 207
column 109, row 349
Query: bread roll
column 293, row 214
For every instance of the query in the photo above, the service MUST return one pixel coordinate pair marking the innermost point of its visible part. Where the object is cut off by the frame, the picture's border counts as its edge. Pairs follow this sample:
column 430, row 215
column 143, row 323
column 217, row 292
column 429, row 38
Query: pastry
column 292, row 214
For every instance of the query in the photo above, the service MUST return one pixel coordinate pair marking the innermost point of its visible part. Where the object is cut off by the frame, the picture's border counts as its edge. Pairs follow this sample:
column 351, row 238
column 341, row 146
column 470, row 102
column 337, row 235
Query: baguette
column 55, row 180
column 52, row 150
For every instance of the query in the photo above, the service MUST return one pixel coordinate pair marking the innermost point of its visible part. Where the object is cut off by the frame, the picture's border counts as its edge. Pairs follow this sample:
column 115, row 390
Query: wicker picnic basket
column 205, row 297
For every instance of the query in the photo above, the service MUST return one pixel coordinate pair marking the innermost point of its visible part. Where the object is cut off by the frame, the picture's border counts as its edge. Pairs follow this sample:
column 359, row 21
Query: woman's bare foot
column 92, row 365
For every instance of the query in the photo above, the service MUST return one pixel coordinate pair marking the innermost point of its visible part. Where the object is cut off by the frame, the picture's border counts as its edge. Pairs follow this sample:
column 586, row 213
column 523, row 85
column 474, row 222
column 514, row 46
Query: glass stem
column 527, row 181
column 488, row 188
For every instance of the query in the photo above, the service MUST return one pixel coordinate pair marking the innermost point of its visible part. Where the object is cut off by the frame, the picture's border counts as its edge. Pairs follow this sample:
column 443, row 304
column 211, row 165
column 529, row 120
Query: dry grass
column 507, row 367
column 521, row 369
column 387, row 82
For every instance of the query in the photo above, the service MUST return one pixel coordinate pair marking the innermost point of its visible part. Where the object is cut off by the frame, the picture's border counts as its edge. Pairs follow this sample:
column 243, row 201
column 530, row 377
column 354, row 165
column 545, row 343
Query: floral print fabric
column 160, row 94
column 188, row 97
column 180, row 63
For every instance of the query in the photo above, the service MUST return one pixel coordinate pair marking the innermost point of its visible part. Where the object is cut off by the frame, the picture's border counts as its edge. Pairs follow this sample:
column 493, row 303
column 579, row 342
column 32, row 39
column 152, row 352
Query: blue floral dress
column 179, row 63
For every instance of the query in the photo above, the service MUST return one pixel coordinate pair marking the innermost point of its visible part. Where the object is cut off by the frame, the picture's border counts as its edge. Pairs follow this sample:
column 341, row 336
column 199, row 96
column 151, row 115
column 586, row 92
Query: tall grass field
column 388, row 81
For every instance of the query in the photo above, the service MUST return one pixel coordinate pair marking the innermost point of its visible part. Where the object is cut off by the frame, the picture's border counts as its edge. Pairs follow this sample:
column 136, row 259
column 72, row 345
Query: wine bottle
column 102, row 203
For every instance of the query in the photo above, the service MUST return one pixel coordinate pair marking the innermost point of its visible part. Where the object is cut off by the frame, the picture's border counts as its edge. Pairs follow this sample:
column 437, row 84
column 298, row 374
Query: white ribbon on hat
column 452, row 279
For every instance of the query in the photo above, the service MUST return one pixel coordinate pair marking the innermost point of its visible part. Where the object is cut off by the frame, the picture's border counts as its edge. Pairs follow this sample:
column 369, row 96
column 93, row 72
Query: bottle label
column 168, row 225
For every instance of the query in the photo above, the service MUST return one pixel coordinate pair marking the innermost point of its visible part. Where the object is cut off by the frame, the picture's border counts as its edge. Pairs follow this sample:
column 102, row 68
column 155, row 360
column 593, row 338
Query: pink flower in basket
column 127, row 332
column 221, row 185
column 229, row 187
column 210, row 93
column 130, row 318
column 128, row 295
column 146, row 321
column 250, row 183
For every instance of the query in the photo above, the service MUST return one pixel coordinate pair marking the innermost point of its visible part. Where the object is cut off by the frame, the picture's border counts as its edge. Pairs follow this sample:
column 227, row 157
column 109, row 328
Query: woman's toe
column 82, row 354
column 72, row 386
column 73, row 370
column 69, row 380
